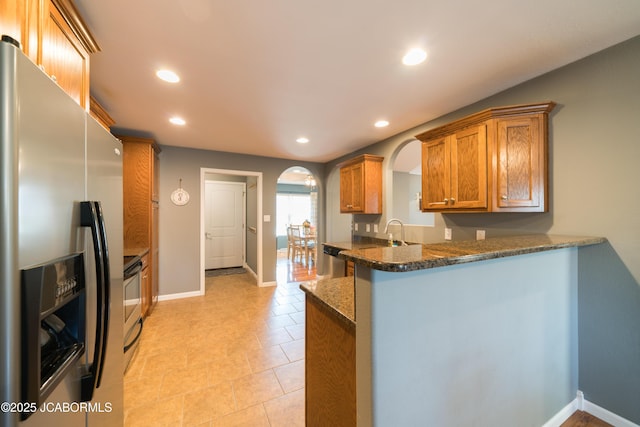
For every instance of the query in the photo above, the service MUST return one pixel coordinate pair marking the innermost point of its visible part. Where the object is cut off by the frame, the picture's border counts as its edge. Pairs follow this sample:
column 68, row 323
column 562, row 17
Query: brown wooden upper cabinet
column 53, row 34
column 361, row 185
column 454, row 170
column 491, row 161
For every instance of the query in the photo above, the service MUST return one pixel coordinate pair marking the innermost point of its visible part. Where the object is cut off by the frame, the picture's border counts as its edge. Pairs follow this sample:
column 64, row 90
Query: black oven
column 132, row 307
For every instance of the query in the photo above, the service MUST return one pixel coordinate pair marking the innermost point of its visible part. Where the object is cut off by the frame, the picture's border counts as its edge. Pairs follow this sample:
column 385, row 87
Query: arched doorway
column 407, row 185
column 296, row 209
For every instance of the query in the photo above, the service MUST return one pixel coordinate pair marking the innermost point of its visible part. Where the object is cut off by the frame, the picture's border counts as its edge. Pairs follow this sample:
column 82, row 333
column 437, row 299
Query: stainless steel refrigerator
column 54, row 157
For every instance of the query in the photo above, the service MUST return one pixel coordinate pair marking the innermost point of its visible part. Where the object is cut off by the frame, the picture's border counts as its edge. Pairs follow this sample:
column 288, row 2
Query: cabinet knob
column 504, row 197
column 453, row 200
column 446, row 201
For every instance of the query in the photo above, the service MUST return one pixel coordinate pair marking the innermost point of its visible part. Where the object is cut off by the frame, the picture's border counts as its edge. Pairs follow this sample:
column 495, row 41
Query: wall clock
column 180, row 197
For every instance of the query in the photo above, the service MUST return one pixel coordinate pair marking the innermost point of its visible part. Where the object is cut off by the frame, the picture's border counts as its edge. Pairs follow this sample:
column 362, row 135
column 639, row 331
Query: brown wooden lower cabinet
column 349, row 268
column 330, row 369
column 145, row 286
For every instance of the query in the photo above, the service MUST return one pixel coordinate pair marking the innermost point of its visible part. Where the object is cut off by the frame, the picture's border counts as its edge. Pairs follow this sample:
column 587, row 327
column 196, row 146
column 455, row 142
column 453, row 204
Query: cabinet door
column 436, row 174
column 346, row 189
column 521, row 165
column 145, row 300
column 64, row 58
column 136, row 169
column 352, row 188
column 469, row 169
column 358, row 187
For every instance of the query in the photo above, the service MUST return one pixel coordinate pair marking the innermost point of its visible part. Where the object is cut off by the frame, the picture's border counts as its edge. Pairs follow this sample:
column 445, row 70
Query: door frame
column 258, row 175
column 244, row 217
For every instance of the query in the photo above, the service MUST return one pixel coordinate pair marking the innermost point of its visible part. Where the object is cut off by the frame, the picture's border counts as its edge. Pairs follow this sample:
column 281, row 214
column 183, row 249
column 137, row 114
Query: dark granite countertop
column 357, row 244
column 337, row 295
column 136, row 251
column 423, row 256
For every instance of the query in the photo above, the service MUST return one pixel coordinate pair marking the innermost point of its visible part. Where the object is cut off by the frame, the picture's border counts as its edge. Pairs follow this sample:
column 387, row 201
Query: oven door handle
column 132, row 343
column 91, row 216
column 133, row 271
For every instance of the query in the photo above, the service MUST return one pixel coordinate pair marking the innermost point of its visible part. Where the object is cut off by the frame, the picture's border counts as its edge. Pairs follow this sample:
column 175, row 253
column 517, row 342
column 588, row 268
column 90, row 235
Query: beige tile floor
column 234, row 357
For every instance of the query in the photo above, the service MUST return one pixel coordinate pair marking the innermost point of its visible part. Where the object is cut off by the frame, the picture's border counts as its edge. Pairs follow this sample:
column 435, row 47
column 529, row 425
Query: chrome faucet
column 386, row 229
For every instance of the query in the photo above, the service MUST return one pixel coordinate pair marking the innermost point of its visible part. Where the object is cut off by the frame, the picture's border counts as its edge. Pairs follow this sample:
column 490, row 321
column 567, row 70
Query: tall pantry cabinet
column 141, row 209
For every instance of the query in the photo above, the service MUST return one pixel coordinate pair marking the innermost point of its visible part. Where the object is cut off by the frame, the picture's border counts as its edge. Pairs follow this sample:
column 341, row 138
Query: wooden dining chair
column 289, row 242
column 297, row 245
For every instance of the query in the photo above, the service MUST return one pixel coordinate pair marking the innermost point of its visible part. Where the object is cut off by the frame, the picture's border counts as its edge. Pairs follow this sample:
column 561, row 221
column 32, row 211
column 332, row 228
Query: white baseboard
column 180, row 295
column 250, row 271
column 563, row 415
column 606, row 415
column 581, row 404
column 266, row 284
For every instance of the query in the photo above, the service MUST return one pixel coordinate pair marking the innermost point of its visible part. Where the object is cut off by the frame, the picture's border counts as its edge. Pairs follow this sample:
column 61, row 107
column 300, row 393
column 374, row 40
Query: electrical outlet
column 447, row 234
column 480, row 234
column 367, row 228
column 375, row 228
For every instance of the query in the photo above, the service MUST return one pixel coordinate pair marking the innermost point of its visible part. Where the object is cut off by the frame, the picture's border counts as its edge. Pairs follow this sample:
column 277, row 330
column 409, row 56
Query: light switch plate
column 267, row 218
column 375, row 228
column 355, row 226
column 367, row 228
column 480, row 234
column 447, row 234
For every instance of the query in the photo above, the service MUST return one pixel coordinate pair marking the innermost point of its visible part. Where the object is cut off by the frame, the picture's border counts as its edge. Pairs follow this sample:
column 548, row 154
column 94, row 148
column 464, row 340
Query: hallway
column 233, row 357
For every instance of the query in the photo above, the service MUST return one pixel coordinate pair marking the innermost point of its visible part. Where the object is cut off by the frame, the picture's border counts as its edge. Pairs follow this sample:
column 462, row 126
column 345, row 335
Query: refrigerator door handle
column 106, row 290
column 91, row 216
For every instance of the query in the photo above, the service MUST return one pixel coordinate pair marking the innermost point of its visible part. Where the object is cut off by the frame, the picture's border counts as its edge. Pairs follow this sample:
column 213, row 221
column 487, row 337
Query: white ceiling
column 258, row 74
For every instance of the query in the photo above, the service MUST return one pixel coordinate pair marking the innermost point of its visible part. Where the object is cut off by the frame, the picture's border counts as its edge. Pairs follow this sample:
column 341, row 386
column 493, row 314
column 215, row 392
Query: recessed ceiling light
column 414, row 57
column 177, row 121
column 302, row 140
column 168, row 76
column 381, row 124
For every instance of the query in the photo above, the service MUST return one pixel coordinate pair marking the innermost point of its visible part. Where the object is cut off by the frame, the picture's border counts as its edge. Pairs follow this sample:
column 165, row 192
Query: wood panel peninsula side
column 457, row 333
column 492, row 161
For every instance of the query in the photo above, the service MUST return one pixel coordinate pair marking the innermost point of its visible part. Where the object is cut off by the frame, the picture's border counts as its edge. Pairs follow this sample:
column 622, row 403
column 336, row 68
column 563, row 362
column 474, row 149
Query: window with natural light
column 292, row 209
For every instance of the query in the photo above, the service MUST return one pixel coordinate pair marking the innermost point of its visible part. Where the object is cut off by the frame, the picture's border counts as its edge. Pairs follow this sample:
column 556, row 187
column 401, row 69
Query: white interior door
column 224, row 224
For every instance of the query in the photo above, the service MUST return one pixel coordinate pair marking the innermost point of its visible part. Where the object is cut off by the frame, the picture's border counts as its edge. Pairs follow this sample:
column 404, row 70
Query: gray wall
column 469, row 345
column 594, row 153
column 180, row 225
column 609, row 332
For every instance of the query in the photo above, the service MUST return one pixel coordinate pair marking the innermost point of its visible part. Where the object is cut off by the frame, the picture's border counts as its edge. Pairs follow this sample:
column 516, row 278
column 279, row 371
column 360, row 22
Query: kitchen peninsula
column 457, row 333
